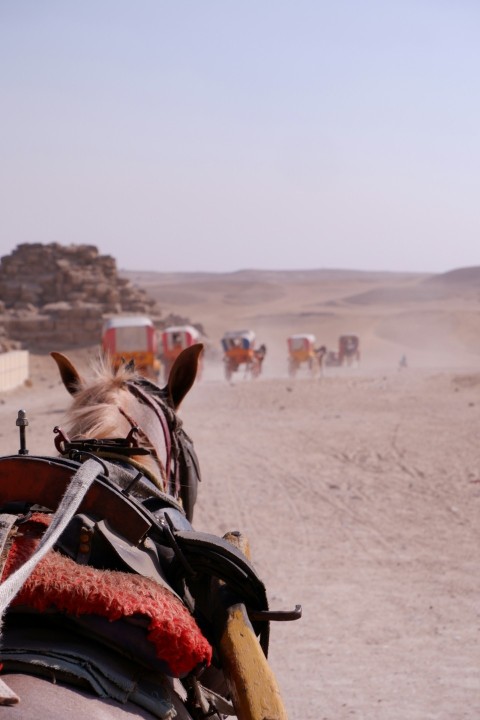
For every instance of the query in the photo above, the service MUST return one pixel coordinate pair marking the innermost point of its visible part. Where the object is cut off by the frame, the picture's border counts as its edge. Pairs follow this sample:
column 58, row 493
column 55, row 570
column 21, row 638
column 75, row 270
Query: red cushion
column 61, row 583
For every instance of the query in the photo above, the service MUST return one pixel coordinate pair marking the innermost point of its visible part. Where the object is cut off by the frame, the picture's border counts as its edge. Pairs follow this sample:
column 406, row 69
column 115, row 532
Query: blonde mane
column 95, row 408
column 103, row 407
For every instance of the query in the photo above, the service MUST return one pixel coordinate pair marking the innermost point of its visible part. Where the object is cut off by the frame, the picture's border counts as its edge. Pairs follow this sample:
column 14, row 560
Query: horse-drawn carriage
column 301, row 353
column 113, row 606
column 174, row 339
column 347, row 354
column 239, row 351
column 134, row 338
column 348, row 349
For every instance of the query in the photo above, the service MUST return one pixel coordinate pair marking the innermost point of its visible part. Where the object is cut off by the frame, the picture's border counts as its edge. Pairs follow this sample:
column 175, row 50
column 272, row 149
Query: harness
column 182, row 466
column 179, row 476
column 124, row 522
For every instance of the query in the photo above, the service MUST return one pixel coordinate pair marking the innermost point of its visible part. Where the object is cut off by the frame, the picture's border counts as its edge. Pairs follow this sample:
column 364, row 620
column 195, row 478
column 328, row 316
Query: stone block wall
column 55, row 296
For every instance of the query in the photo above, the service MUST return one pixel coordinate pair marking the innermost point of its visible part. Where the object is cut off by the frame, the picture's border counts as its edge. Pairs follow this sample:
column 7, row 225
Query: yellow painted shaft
column 251, row 682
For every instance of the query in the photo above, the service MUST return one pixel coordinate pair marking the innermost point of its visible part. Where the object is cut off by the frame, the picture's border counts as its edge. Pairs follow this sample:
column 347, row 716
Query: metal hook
column 275, row 615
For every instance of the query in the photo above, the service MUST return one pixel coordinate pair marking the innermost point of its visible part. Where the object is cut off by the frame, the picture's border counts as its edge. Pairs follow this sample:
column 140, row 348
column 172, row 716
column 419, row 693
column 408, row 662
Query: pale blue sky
column 217, row 135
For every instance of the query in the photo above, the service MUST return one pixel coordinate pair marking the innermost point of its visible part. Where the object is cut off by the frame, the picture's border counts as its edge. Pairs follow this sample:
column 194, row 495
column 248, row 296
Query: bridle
column 156, row 399
column 179, row 475
column 182, row 470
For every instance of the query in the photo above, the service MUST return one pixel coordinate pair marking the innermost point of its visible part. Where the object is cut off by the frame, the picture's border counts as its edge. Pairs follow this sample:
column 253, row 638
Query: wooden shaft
column 251, row 682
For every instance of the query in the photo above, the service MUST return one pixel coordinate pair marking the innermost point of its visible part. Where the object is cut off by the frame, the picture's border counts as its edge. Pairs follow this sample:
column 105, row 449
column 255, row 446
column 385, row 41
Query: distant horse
column 112, row 600
column 320, row 355
column 403, row 362
column 257, row 361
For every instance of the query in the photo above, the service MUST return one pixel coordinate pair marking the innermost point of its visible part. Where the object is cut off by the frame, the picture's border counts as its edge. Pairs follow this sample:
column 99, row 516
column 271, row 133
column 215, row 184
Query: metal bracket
column 275, row 615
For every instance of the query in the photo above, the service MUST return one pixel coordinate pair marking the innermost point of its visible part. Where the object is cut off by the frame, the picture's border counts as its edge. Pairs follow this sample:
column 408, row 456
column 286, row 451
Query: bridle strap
column 161, row 410
column 149, row 445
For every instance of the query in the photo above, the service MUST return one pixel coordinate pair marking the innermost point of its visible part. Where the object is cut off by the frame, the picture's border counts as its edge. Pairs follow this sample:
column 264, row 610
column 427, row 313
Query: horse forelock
column 95, row 408
column 104, row 407
column 102, row 369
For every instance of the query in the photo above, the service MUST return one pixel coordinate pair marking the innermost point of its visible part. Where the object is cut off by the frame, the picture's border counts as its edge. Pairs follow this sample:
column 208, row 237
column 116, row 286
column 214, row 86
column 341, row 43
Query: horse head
column 117, row 403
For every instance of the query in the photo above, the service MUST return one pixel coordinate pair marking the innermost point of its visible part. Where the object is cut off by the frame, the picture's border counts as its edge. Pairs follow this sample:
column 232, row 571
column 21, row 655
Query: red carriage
column 126, row 338
column 348, row 349
column 301, row 353
column 174, row 339
column 240, row 351
column 348, row 352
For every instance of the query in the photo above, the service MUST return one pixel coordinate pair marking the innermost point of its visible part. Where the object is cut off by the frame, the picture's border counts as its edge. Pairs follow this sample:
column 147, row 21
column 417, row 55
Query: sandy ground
column 359, row 491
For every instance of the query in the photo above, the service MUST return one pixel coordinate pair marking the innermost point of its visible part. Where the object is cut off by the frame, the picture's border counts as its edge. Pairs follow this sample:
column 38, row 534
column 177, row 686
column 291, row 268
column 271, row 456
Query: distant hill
column 467, row 276
column 146, row 277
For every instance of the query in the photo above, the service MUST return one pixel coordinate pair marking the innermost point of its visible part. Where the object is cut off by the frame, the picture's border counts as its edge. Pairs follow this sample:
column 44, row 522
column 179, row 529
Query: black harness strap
column 164, row 414
column 182, row 467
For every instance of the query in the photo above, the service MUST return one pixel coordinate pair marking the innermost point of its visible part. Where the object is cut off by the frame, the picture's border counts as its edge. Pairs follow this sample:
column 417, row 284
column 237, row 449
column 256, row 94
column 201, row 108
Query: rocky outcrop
column 58, row 296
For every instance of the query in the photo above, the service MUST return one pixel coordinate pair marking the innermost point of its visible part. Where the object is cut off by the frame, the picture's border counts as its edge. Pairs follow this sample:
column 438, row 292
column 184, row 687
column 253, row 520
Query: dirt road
column 360, row 494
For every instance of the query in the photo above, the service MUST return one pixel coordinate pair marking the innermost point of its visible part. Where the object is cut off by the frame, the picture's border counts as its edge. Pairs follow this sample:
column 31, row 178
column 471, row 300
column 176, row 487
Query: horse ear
column 183, row 373
column 69, row 374
column 130, row 365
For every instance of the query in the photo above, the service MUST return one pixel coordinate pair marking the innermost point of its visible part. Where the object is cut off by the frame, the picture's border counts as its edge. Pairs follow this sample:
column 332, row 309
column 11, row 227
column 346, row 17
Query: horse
column 257, row 361
column 115, row 607
column 320, row 354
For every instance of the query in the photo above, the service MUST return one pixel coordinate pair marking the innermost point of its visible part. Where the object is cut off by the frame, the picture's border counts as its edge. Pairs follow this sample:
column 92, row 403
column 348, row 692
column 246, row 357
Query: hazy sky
column 219, row 135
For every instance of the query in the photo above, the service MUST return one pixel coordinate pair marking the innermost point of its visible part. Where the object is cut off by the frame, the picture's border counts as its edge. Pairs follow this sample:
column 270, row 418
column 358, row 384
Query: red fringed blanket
column 61, row 583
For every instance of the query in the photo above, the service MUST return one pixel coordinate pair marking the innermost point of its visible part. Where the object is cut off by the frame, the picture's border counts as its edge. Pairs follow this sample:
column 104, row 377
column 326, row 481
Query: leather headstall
column 181, row 473
column 182, row 466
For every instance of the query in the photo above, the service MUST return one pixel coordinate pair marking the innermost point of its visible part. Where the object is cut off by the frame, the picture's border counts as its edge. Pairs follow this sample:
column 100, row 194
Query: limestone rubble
column 59, row 296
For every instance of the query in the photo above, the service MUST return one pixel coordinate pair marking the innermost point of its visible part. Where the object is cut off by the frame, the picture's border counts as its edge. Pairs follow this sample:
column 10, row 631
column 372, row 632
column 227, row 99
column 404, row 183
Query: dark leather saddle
column 133, row 527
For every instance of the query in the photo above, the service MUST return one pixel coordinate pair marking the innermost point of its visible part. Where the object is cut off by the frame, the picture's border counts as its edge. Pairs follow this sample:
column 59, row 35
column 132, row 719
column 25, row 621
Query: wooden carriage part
column 251, row 681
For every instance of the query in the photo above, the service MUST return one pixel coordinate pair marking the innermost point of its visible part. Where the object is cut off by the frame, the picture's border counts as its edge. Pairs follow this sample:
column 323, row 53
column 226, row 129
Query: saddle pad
column 59, row 582
column 38, row 646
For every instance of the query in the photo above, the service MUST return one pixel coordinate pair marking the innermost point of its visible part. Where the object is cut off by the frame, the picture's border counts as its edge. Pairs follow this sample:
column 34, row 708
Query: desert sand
column 359, row 490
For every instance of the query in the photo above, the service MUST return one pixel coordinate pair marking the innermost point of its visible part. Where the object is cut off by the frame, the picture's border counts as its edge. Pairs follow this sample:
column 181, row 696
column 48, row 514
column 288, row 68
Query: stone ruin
column 57, row 296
